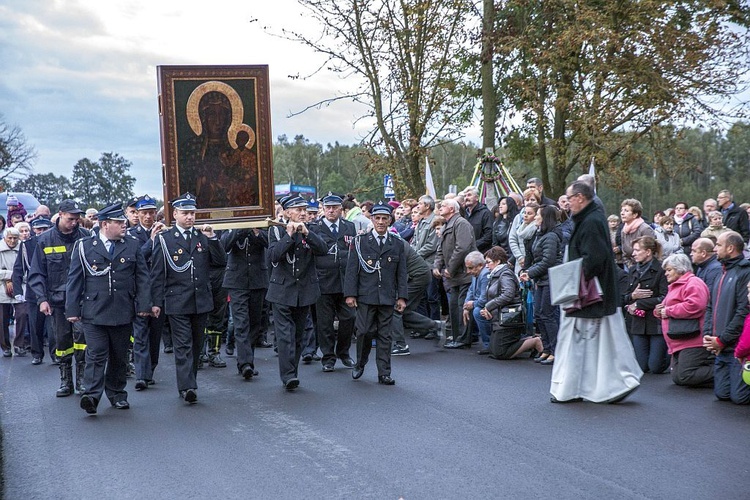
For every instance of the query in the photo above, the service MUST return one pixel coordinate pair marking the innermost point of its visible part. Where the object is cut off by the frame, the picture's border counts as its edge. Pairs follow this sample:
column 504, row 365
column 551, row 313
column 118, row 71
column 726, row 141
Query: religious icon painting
column 216, row 141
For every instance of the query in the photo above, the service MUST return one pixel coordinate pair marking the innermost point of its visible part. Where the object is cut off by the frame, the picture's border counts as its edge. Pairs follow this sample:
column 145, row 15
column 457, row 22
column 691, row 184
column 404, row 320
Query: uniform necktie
column 381, row 240
column 188, row 234
column 334, row 231
column 111, row 248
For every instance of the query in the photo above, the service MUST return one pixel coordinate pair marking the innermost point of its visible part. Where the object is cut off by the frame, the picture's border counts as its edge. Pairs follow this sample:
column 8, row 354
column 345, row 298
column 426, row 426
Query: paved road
column 456, row 425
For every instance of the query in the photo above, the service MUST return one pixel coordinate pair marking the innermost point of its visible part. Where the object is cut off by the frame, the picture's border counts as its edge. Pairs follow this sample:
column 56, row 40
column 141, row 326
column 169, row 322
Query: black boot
column 213, row 339
column 80, row 389
column 66, row 380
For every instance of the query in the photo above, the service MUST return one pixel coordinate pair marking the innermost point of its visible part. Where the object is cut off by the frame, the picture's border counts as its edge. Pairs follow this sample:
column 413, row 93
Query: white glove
column 20, row 298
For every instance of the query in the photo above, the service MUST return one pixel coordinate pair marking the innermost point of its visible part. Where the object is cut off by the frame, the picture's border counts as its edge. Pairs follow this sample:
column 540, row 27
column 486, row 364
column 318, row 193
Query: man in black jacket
column 246, row 280
column 181, row 287
column 338, row 235
column 293, row 286
column 725, row 317
column 376, row 281
column 47, row 278
column 480, row 218
column 735, row 218
column 108, row 284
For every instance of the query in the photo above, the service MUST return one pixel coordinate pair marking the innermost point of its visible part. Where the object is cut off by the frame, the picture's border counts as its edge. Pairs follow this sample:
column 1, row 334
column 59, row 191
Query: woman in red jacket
column 686, row 299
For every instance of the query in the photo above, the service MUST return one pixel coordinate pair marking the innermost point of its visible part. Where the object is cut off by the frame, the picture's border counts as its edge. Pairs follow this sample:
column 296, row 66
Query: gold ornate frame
column 235, row 180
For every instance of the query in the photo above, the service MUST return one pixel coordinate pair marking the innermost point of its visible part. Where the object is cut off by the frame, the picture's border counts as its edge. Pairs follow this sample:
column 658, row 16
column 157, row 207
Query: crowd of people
column 672, row 292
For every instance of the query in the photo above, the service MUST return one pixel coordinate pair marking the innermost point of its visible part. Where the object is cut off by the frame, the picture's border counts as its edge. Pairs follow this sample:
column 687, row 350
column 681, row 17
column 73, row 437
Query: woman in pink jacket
column 687, row 298
column 742, row 351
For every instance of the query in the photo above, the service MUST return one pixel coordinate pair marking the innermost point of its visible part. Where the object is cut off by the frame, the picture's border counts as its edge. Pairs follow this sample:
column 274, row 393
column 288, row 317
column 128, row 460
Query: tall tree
column 579, row 71
column 16, row 155
column 407, row 57
column 97, row 184
column 49, row 189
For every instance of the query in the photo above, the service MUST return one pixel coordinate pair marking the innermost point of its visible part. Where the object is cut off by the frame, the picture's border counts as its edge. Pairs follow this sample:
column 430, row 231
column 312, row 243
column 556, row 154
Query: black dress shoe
column 386, row 380
column 191, row 396
column 348, row 362
column 36, row 361
column 263, row 344
column 141, row 385
column 88, row 403
column 416, row 335
column 168, row 350
column 553, row 399
column 328, row 367
column 247, row 372
column 291, row 384
column 121, row 405
column 307, row 359
column 150, row 382
column 357, row 372
column 483, row 352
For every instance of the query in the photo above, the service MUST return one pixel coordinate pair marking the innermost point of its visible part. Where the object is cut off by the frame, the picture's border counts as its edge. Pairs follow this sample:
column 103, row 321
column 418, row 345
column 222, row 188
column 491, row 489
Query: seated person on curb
column 503, row 290
column 476, row 298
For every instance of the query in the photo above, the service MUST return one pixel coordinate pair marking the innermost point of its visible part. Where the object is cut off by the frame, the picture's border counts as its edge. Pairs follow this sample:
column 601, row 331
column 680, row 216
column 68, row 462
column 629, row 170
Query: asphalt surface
column 455, row 425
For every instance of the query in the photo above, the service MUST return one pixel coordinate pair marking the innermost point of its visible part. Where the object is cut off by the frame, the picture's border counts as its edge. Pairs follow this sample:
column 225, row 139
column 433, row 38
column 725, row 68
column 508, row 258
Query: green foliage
column 49, row 189
column 590, row 78
column 98, row 184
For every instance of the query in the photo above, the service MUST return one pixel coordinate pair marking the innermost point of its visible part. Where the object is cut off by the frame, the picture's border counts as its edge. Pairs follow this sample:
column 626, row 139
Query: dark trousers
column 146, row 344
column 410, row 318
column 430, row 303
column 217, row 318
column 36, row 327
column 247, row 309
column 693, row 367
column 69, row 341
column 290, row 329
column 547, row 318
column 456, row 299
column 22, row 324
column 187, row 340
column 651, row 352
column 728, row 383
column 310, row 337
column 6, row 312
column 374, row 322
column 106, row 361
column 334, row 344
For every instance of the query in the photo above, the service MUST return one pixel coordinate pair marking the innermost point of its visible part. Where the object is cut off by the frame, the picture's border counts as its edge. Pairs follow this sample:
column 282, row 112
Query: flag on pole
column 428, row 179
column 592, row 170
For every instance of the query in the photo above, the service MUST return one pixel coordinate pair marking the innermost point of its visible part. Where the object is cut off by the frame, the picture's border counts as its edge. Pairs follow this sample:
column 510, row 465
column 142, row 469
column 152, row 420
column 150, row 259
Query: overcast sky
column 79, row 76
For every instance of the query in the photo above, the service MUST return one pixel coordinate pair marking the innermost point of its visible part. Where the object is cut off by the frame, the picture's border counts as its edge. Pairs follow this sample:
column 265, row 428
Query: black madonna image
column 216, row 138
column 218, row 159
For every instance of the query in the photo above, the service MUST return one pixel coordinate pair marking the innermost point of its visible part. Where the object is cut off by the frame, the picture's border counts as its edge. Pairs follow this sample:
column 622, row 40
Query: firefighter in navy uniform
column 338, row 235
column 293, row 286
column 181, row 287
column 47, row 279
column 147, row 330
column 108, row 284
column 375, row 283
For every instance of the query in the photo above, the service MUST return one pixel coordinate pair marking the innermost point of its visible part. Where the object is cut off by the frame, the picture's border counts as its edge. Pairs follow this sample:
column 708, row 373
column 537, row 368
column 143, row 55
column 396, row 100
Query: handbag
column 681, row 329
column 512, row 316
column 590, row 293
column 565, row 282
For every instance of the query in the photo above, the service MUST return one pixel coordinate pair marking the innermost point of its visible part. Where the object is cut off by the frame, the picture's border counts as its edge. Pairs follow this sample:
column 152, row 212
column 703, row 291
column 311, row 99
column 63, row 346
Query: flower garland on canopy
column 490, row 174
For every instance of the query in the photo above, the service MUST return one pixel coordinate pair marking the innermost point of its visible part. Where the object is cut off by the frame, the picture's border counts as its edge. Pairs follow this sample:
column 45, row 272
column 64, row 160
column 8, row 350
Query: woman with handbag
column 505, row 310
column 682, row 314
column 546, row 252
column 647, row 287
